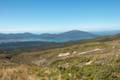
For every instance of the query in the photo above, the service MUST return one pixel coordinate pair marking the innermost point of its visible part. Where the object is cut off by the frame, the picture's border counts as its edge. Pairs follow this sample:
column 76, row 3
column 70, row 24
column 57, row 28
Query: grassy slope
column 90, row 60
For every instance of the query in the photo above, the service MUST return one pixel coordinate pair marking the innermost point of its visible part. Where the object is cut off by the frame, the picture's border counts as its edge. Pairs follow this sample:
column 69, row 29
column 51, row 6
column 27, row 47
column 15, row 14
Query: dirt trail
column 94, row 50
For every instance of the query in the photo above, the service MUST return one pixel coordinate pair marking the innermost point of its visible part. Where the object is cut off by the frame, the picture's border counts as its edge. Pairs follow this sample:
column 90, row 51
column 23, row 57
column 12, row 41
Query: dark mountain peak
column 28, row 33
column 75, row 31
column 46, row 34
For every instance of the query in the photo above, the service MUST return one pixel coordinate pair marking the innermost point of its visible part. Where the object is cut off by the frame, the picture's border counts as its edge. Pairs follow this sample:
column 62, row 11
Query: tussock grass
column 16, row 73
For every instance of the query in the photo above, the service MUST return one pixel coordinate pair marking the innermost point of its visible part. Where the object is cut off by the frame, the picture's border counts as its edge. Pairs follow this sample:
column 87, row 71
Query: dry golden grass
column 26, row 72
column 16, row 73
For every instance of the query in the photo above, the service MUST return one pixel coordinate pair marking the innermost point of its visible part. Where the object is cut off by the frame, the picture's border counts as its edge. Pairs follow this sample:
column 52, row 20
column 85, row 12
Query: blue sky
column 59, row 15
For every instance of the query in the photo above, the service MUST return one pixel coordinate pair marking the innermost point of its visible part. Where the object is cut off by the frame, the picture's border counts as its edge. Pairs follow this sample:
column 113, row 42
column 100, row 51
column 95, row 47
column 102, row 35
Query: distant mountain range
column 105, row 33
column 62, row 37
column 25, row 42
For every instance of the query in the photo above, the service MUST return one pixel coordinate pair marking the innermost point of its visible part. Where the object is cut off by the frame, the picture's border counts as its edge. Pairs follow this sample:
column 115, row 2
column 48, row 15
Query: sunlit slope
column 90, row 60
